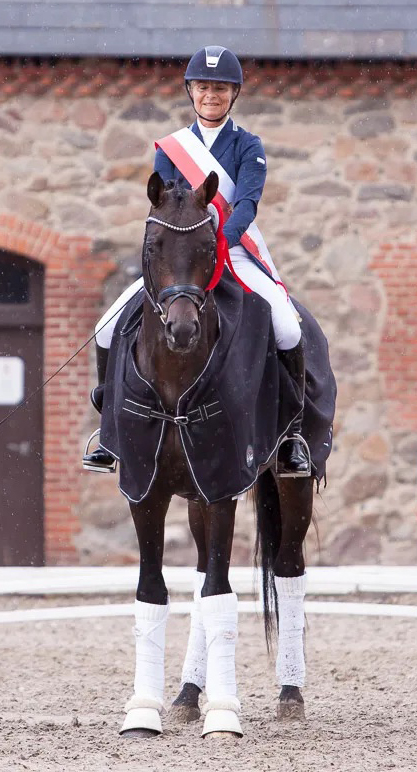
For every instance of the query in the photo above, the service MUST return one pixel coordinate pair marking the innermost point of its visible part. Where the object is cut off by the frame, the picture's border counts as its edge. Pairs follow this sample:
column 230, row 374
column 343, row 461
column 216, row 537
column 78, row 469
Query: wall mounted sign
column 12, row 380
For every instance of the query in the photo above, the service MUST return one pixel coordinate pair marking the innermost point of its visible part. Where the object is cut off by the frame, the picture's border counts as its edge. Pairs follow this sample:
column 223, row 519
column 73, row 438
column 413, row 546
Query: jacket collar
column 228, row 134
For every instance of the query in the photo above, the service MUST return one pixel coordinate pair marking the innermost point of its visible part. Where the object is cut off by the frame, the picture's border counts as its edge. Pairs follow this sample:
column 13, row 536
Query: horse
column 178, row 331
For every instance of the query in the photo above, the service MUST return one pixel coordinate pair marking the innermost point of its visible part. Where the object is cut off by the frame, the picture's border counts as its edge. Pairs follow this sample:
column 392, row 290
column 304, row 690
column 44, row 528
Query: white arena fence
column 245, row 581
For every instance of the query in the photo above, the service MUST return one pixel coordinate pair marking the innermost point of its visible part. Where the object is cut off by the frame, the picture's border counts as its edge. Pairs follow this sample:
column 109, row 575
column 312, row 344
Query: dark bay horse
column 178, row 331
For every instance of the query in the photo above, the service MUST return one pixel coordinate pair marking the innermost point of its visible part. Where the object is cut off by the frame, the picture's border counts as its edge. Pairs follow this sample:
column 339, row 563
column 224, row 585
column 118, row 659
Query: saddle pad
column 235, row 414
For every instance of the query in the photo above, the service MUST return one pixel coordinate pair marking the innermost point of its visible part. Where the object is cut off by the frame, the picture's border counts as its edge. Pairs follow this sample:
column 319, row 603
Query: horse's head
column 179, row 257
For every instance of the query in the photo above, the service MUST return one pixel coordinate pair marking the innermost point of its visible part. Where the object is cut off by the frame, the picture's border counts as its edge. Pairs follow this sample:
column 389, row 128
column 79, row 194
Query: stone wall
column 338, row 213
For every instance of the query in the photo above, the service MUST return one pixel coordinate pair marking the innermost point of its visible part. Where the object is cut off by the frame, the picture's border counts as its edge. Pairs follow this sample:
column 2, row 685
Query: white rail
column 184, row 607
column 321, row 580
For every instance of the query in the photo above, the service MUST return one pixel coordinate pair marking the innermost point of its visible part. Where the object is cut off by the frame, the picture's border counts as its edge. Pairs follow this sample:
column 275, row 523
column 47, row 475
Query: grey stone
column 363, row 485
column 120, row 144
column 326, row 188
column 9, row 148
column 79, row 139
column 347, row 259
column 407, row 475
column 258, row 106
column 310, row 242
column 290, row 153
column 103, row 245
column 372, row 125
column 29, row 207
column 385, row 192
column 354, row 544
column 145, row 110
column 311, row 112
column 77, row 215
column 367, row 105
column 406, row 448
column 349, row 362
column 71, row 178
column 113, row 199
column 7, row 123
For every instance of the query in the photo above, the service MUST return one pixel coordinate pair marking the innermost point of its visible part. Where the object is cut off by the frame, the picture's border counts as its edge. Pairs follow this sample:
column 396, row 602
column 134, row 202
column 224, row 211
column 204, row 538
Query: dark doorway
column 21, row 436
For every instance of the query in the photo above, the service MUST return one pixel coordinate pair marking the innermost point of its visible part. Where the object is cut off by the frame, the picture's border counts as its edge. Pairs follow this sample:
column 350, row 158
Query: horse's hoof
column 222, row 736
column 184, row 714
column 291, row 710
column 221, row 723
column 144, row 734
column 146, row 721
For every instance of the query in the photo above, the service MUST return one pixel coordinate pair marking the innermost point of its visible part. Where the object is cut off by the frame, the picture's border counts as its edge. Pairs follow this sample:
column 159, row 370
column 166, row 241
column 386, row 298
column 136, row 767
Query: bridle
column 172, row 293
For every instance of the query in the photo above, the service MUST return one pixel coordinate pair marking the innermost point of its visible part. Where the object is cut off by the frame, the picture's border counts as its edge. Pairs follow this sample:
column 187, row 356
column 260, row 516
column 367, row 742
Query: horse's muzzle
column 182, row 336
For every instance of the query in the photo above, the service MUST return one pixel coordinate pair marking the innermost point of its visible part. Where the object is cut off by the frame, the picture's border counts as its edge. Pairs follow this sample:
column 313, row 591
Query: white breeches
column 105, row 327
column 286, row 327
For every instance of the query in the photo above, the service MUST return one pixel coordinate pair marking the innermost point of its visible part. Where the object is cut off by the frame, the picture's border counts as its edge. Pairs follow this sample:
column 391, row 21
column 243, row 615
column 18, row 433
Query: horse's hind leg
column 151, row 613
column 296, row 503
column 193, row 679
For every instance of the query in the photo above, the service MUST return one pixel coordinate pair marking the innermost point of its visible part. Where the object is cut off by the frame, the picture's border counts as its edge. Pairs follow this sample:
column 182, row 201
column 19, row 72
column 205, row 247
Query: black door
column 21, row 436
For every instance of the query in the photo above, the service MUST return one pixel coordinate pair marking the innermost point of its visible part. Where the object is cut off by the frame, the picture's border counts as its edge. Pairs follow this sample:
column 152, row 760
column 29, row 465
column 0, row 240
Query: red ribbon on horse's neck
column 223, row 256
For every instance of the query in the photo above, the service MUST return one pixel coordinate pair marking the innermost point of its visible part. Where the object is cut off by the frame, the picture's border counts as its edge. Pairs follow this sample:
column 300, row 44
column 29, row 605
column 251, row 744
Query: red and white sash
column 195, row 162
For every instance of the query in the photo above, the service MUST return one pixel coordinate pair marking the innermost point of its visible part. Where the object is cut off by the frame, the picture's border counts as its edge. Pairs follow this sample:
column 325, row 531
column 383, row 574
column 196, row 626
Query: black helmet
column 214, row 63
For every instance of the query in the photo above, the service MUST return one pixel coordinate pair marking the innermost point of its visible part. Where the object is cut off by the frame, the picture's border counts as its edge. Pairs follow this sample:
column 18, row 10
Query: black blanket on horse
column 231, row 419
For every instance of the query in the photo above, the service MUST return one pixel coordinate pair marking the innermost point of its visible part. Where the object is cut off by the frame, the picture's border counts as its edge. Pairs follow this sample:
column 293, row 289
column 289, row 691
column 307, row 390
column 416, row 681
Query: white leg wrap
column 150, row 626
column 195, row 663
column 220, row 623
column 290, row 665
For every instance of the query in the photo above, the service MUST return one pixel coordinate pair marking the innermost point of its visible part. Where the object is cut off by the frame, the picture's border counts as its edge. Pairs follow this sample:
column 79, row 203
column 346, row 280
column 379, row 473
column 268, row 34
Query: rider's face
column 211, row 99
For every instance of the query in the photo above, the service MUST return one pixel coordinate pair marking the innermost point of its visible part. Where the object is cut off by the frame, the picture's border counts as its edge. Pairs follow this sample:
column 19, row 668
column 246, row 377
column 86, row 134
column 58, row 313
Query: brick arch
column 74, row 276
column 396, row 265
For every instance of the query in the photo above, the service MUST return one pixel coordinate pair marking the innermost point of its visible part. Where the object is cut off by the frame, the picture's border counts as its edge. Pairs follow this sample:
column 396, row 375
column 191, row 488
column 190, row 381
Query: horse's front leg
column 151, row 613
column 219, row 613
column 296, row 505
column 185, row 707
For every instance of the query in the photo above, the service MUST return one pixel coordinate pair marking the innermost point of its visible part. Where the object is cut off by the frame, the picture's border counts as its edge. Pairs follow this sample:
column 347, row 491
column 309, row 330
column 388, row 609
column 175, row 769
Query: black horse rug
column 232, row 418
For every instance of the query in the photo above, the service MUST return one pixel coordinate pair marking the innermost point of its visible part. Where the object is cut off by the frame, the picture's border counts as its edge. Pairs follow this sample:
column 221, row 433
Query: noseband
column 197, row 295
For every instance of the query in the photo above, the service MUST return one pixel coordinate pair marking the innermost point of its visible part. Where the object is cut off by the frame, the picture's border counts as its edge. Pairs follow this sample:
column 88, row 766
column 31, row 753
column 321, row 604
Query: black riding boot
column 293, row 457
column 99, row 460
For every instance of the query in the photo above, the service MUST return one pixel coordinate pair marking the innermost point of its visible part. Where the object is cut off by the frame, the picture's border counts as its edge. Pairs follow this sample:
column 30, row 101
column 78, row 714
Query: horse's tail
column 268, row 536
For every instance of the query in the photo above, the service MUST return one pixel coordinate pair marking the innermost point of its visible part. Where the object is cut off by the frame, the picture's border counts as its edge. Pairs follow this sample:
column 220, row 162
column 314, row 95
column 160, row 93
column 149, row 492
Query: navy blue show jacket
column 242, row 156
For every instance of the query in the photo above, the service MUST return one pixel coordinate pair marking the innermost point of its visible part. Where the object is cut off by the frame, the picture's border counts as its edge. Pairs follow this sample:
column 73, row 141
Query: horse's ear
column 206, row 192
column 156, row 189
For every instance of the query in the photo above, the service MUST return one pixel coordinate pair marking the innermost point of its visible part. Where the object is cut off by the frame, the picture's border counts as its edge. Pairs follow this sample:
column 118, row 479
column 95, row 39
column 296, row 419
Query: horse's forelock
column 177, row 193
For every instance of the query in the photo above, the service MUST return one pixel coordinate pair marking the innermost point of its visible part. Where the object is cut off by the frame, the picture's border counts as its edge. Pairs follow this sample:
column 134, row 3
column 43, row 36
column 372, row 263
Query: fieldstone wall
column 338, row 214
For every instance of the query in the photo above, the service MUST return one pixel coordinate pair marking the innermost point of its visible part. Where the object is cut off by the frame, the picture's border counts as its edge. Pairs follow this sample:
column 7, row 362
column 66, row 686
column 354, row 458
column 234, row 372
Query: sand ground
column 64, row 685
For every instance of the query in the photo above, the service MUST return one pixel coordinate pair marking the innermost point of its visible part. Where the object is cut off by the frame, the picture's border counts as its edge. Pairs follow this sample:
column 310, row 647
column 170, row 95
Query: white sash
column 195, row 162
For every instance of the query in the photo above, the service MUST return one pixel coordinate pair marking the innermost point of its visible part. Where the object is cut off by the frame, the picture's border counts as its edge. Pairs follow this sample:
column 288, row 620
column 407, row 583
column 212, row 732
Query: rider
column 213, row 80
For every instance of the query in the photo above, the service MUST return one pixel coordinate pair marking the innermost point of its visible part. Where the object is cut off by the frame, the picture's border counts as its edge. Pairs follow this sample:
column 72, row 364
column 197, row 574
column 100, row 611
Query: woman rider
column 213, row 80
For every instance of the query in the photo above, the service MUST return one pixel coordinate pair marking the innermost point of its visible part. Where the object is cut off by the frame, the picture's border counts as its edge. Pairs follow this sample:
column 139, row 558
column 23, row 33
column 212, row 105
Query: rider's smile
column 212, row 100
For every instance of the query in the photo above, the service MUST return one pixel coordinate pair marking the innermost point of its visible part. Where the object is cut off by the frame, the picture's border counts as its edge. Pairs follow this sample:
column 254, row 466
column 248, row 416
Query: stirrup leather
column 97, row 467
column 299, row 438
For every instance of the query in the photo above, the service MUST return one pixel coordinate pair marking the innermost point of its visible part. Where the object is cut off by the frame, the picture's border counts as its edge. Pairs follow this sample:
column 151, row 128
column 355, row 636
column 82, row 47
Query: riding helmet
column 214, row 63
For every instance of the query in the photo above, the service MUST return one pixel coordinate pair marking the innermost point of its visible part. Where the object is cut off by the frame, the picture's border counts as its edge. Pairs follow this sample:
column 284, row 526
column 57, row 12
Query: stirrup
column 301, row 439
column 97, row 468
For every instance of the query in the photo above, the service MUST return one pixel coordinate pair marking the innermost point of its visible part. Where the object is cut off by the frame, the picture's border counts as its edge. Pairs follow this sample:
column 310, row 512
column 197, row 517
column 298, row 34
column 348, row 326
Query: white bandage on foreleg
column 290, row 666
column 220, row 623
column 195, row 663
column 151, row 620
